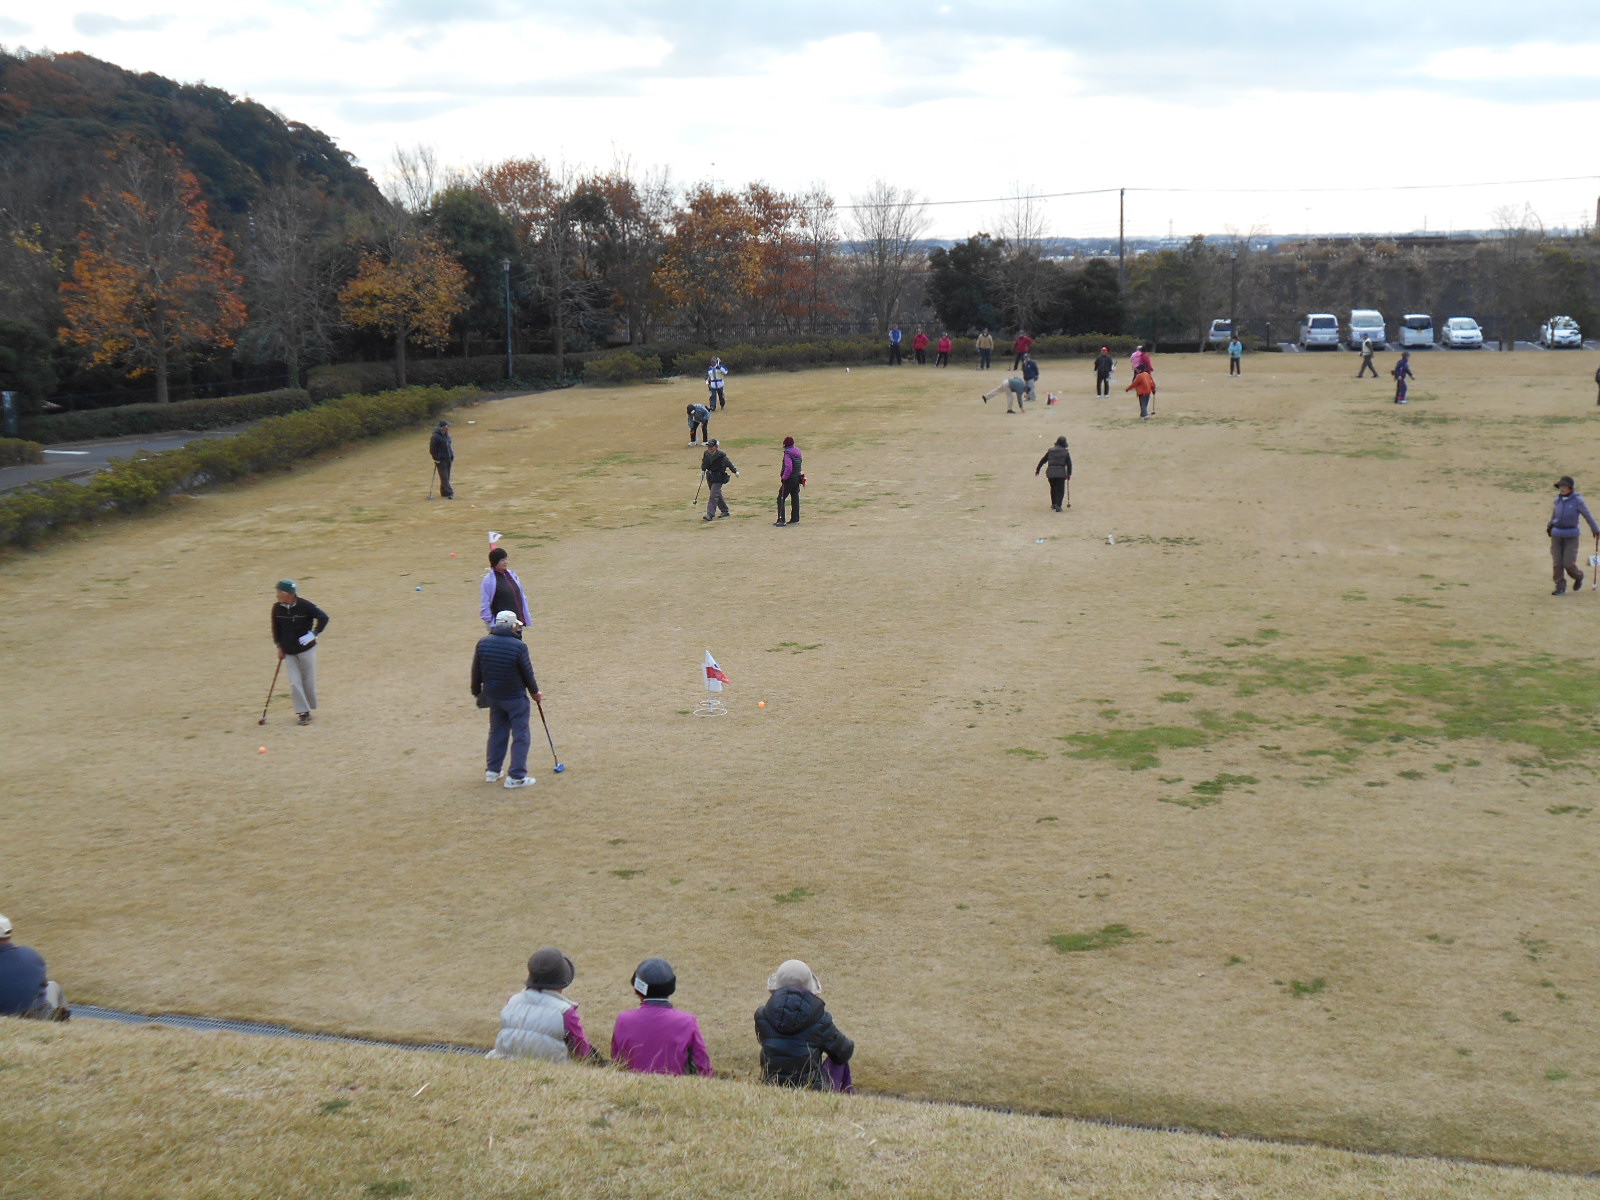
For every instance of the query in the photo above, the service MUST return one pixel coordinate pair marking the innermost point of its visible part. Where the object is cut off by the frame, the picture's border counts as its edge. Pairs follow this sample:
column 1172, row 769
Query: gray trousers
column 303, row 678
column 715, row 501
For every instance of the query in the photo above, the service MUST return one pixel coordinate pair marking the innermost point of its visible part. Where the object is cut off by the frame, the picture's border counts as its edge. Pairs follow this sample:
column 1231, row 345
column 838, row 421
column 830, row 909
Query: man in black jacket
column 715, row 465
column 296, row 625
column 502, row 679
column 1103, row 366
column 444, row 457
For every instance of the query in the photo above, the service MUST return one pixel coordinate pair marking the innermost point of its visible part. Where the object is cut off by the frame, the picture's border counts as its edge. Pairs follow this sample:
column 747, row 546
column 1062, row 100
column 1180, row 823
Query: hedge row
column 128, row 485
column 213, row 413
column 14, row 452
column 534, row 371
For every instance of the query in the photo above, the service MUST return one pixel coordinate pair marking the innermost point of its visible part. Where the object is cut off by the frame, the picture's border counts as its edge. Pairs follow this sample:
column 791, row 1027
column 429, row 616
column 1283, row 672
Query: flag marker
column 712, row 705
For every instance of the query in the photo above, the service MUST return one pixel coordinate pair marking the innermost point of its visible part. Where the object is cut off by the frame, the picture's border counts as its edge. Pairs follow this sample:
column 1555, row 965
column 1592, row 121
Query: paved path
column 74, row 460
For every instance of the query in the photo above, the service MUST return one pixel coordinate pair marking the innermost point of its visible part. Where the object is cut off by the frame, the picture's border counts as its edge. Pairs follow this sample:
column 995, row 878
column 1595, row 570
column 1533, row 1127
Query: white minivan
column 1319, row 331
column 1416, row 329
column 1367, row 323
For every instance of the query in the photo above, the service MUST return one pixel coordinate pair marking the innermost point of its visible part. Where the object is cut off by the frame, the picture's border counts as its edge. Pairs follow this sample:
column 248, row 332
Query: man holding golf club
column 502, row 681
column 444, row 456
column 715, row 465
column 296, row 625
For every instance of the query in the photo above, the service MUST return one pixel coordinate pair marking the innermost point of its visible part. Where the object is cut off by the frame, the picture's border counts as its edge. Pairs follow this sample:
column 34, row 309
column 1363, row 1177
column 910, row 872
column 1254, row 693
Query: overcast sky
column 1181, row 99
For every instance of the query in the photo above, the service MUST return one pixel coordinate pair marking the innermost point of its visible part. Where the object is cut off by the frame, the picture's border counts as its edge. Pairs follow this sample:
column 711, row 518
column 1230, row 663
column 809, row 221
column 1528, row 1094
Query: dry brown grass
column 904, row 813
column 157, row 1115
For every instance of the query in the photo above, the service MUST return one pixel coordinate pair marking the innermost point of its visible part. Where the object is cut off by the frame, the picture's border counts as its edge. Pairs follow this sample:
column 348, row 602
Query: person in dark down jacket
column 502, row 679
column 1564, row 534
column 1057, row 467
column 800, row 1045
column 444, row 457
column 715, row 466
column 1103, row 366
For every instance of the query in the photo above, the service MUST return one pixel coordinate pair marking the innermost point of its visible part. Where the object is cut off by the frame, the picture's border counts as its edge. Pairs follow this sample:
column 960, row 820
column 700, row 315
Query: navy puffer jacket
column 501, row 668
column 796, row 1030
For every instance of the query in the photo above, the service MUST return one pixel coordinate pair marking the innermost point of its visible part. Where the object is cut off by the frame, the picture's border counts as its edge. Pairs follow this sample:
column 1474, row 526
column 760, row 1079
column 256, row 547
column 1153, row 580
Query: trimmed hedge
column 128, row 485
column 215, row 413
column 14, row 452
column 536, row 371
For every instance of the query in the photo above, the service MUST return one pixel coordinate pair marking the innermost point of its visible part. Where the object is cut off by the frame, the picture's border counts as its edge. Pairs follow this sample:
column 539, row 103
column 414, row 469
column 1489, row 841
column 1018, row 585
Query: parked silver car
column 1461, row 333
column 1561, row 333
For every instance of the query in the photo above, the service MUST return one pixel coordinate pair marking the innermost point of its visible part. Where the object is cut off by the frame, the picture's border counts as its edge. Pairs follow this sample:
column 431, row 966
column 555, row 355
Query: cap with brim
column 287, row 585
column 507, row 620
column 1565, row 481
column 549, row 968
column 5, row 926
column 794, row 973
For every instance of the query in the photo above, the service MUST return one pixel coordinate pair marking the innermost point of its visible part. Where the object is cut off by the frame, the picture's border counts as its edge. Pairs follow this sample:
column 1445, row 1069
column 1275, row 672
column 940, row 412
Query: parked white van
column 1319, row 331
column 1416, row 329
column 1368, row 323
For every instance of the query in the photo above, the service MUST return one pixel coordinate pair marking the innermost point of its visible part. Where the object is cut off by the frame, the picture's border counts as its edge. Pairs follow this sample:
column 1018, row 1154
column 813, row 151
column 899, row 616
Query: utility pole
column 511, row 361
column 1122, row 246
column 1233, row 291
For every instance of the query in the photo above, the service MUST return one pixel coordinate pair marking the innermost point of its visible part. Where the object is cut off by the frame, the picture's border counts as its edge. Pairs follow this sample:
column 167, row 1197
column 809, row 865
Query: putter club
column 270, row 689
column 560, row 766
column 696, row 501
column 432, row 475
column 1069, row 493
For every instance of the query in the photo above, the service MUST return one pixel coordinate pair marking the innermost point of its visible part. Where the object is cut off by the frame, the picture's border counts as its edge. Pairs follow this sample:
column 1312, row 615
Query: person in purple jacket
column 1564, row 533
column 502, row 591
column 790, row 479
column 655, row 1038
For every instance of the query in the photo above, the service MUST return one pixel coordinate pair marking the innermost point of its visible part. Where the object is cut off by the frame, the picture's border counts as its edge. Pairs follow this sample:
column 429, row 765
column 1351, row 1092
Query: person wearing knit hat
column 444, row 457
column 790, row 480
column 1564, row 534
column 1104, row 364
column 539, row 1021
column 656, row 1038
column 296, row 625
column 800, row 1045
column 26, row 990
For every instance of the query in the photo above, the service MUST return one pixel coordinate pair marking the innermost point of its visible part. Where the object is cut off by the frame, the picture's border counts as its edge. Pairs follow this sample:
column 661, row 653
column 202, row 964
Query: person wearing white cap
column 26, row 990
column 502, row 681
column 800, row 1045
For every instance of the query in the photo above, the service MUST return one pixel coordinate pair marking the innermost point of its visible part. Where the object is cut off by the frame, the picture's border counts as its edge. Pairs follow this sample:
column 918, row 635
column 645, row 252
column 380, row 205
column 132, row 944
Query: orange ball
column 263, row 750
column 761, row 703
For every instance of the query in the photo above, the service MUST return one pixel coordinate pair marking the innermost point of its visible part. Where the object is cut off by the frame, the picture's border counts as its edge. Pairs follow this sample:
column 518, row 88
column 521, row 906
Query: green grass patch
column 1175, row 697
column 1024, row 752
column 1306, row 987
column 1136, row 749
column 794, row 895
column 1104, row 938
column 793, row 647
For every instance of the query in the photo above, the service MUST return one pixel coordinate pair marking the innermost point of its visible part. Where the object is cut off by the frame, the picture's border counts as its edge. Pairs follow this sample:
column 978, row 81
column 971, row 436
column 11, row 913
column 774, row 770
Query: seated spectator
column 539, row 1021
column 25, row 989
column 655, row 1038
column 800, row 1045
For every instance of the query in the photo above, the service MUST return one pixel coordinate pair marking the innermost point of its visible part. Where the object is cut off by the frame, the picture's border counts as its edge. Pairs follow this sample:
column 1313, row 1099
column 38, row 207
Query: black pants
column 703, row 428
column 1016, row 362
column 922, row 357
column 1058, row 489
column 1233, row 367
column 1102, row 384
column 943, row 360
column 790, row 487
column 445, row 490
column 985, row 355
column 894, row 354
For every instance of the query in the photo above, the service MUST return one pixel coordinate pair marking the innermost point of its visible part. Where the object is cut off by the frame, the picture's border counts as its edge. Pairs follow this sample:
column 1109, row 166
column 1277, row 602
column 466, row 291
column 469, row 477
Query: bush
column 212, row 413
column 272, row 444
column 533, row 371
column 14, row 452
column 622, row 367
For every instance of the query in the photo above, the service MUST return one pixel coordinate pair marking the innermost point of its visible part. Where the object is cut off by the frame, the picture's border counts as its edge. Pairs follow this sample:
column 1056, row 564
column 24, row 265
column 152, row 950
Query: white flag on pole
column 714, row 676
column 493, row 537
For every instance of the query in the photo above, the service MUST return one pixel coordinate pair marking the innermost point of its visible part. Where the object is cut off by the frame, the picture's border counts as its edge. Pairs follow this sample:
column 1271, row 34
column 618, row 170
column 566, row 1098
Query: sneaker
column 1560, row 591
column 705, row 518
column 525, row 781
column 721, row 515
column 304, row 719
column 491, row 776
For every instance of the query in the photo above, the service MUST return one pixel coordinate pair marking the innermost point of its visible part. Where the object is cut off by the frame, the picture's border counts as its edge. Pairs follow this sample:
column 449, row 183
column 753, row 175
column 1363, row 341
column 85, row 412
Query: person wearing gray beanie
column 539, row 1021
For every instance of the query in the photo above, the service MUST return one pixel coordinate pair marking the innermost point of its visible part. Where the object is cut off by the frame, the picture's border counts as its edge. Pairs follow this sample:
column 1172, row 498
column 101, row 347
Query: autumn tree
column 408, row 286
column 152, row 278
column 711, row 267
column 817, row 226
column 630, row 242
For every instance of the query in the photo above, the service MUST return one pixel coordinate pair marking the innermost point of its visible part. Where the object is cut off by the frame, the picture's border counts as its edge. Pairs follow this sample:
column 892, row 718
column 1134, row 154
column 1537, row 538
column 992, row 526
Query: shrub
column 131, row 484
column 14, row 452
column 622, row 367
column 211, row 413
column 532, row 371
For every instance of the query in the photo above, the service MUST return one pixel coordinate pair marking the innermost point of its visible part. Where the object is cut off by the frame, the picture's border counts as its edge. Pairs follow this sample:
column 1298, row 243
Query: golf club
column 560, row 766
column 432, row 475
column 696, row 501
column 1069, row 493
column 270, row 690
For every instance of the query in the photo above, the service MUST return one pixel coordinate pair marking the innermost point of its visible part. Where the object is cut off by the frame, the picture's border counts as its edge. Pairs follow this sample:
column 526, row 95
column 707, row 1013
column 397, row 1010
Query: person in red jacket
column 1021, row 346
column 944, row 351
column 1145, row 385
column 919, row 347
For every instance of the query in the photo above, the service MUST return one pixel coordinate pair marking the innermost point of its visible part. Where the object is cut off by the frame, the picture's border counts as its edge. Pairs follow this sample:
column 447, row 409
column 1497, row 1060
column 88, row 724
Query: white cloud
column 1527, row 61
column 95, row 24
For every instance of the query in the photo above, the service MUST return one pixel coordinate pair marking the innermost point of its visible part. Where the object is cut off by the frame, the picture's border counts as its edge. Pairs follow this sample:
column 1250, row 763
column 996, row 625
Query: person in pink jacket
column 944, row 351
column 655, row 1038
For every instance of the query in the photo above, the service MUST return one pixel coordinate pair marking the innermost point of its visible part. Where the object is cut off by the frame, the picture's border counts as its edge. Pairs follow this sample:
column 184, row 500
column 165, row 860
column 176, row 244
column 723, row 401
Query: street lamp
column 505, row 270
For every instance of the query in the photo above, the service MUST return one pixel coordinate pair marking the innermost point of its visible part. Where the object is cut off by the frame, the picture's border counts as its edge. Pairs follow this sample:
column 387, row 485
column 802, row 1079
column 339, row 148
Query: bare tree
column 1025, row 280
column 291, row 264
column 886, row 224
column 818, row 222
column 414, row 178
column 1513, row 281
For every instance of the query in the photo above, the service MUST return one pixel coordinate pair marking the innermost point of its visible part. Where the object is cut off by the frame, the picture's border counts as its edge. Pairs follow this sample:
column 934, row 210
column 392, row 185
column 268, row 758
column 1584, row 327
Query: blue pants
column 508, row 721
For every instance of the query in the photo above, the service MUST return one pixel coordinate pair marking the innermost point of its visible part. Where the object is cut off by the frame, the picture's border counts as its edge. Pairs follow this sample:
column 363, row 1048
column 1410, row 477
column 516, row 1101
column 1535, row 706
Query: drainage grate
column 216, row 1025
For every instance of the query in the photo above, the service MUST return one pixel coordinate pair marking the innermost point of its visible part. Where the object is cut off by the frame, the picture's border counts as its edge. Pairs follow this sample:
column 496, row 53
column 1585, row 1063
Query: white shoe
column 491, row 776
column 525, row 781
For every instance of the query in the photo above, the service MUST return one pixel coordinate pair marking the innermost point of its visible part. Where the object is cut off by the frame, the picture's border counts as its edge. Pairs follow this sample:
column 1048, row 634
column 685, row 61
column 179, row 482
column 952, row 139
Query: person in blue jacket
column 1564, row 532
column 26, row 990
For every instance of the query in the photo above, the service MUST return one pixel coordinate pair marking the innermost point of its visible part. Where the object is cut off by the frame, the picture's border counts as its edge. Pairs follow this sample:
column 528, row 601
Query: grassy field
column 1273, row 817
column 155, row 1115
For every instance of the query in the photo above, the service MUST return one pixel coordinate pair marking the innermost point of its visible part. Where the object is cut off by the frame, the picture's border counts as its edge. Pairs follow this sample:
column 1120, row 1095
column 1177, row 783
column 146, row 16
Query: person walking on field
column 715, row 465
column 1103, row 366
column 919, row 347
column 943, row 360
column 1235, row 356
column 894, row 346
column 1402, row 372
column 790, row 480
column 801, row 1047
column 502, row 682
column 699, row 422
column 1366, row 359
column 716, row 385
column 444, row 457
column 1057, row 467
column 986, row 351
column 1015, row 388
column 502, row 590
column 655, row 1038
column 539, row 1021
column 26, row 989
column 1020, row 348
column 296, row 625
column 1140, row 360
column 1030, row 376
column 1144, row 385
column 1564, row 533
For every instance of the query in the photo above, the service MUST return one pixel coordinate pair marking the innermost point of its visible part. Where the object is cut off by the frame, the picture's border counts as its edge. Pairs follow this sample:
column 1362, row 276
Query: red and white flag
column 714, row 676
column 494, row 539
